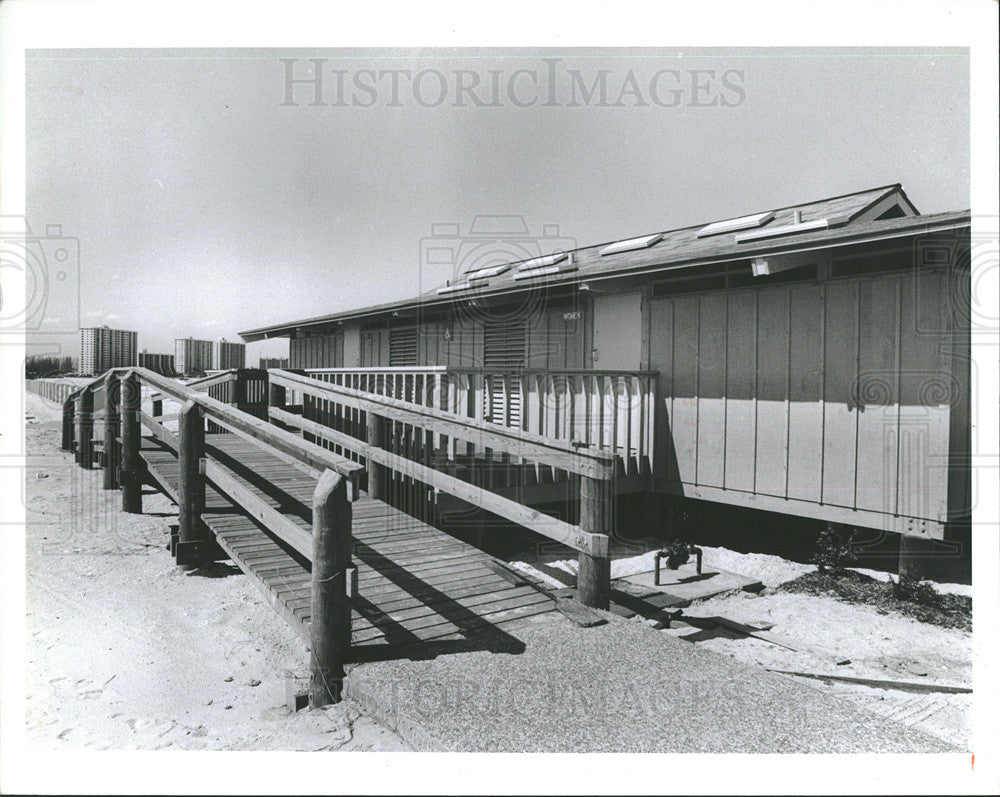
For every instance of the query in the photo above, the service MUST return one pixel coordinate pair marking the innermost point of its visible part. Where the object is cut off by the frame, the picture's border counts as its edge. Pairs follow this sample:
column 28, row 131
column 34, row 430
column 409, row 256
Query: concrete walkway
column 621, row 687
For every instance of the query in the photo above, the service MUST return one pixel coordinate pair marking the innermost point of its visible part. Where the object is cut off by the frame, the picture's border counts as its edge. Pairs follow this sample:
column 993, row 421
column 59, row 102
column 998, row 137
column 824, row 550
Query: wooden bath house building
column 810, row 361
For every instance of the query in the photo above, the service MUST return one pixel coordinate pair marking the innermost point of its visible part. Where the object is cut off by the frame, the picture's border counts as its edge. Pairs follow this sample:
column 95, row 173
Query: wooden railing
column 327, row 548
column 610, row 410
column 403, row 441
column 242, row 388
column 421, row 443
column 51, row 389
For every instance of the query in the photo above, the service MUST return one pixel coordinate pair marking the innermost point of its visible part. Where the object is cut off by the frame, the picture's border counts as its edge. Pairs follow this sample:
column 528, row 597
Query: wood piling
column 112, row 422
column 85, row 427
column 330, row 620
column 68, row 428
column 593, row 584
column 131, row 472
column 193, row 538
column 376, row 473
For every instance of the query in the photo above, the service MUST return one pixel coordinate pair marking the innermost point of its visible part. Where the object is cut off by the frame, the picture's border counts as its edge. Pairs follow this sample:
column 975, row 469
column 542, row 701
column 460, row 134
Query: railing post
column 330, row 622
column 376, row 473
column 239, row 390
column 130, row 475
column 68, row 424
column 277, row 396
column 112, row 391
column 593, row 581
column 191, row 546
column 157, row 407
column 85, row 440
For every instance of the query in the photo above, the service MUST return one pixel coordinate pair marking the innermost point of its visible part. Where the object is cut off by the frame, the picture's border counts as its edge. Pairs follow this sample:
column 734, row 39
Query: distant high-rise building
column 273, row 362
column 229, row 355
column 192, row 356
column 158, row 363
column 102, row 348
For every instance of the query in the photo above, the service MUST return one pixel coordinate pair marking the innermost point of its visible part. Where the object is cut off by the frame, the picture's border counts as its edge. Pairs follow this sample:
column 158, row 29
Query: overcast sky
column 206, row 203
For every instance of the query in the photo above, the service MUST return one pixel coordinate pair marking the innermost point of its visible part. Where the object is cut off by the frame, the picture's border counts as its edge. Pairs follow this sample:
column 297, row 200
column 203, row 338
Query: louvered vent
column 402, row 347
column 504, row 345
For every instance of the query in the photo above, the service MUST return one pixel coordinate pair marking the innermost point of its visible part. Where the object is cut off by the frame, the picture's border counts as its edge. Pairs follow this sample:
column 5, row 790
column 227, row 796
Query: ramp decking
column 419, row 589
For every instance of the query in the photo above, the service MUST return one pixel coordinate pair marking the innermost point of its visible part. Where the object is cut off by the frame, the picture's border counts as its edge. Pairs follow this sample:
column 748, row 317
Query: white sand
column 126, row 651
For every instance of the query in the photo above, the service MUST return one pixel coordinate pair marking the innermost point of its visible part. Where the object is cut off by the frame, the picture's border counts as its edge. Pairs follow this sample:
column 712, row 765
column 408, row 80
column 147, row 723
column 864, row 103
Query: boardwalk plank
column 416, row 583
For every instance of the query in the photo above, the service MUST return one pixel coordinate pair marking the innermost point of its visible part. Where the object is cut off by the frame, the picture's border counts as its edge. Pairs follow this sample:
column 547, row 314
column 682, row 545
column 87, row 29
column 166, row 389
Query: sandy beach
column 127, row 651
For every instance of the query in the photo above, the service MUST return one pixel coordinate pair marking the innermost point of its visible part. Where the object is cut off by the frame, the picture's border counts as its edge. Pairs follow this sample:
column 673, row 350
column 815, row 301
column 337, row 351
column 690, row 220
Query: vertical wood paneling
column 368, row 349
column 772, row 392
column 740, row 390
column 959, row 431
column 711, row 390
column 383, row 347
column 805, row 407
column 878, row 413
column 924, row 398
column 840, row 426
column 684, row 401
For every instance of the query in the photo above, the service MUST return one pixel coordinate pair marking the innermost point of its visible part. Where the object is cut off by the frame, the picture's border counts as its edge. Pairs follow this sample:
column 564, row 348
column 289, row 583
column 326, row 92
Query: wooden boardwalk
column 421, row 591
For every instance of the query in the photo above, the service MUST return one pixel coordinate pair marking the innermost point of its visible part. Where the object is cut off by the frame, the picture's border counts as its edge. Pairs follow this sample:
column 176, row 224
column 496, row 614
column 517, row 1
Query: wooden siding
column 554, row 338
column 836, row 393
column 317, row 351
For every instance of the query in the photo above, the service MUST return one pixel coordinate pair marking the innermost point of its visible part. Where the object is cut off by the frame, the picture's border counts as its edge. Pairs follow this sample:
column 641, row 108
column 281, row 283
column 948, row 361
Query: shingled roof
column 821, row 223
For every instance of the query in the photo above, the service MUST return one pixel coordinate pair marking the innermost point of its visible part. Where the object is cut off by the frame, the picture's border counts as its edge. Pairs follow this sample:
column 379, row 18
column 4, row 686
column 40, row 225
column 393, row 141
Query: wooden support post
column 376, row 473
column 75, row 448
column 239, row 390
column 112, row 396
column 593, row 582
column 193, row 543
column 68, row 427
column 130, row 475
column 85, row 440
column 277, row 396
column 330, row 621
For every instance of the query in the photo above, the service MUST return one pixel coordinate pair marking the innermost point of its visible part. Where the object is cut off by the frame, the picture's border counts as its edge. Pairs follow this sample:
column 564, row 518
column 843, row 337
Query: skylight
column 489, row 271
column 543, row 262
column 732, row 225
column 632, row 243
column 462, row 286
column 542, row 271
column 786, row 229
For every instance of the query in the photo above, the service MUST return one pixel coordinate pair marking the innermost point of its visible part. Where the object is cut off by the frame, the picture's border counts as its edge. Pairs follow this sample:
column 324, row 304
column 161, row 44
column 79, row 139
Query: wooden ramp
column 420, row 589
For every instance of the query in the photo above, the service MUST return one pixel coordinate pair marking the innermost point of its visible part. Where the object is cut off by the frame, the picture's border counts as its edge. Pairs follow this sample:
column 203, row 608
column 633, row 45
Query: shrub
column 833, row 552
column 911, row 587
column 909, row 596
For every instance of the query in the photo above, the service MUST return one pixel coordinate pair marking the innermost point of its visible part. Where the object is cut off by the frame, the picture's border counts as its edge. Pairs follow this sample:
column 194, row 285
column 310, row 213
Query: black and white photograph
column 392, row 381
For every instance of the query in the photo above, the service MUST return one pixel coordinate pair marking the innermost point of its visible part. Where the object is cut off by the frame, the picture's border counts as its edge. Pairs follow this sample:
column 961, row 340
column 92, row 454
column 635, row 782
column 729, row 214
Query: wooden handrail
column 327, row 545
column 585, row 462
column 214, row 379
column 595, row 544
column 253, row 429
column 256, row 429
column 208, row 381
column 399, row 369
column 545, row 371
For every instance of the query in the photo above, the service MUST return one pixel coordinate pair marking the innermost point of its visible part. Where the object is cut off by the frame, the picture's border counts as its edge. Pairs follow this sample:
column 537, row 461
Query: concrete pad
column 686, row 584
column 620, row 687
